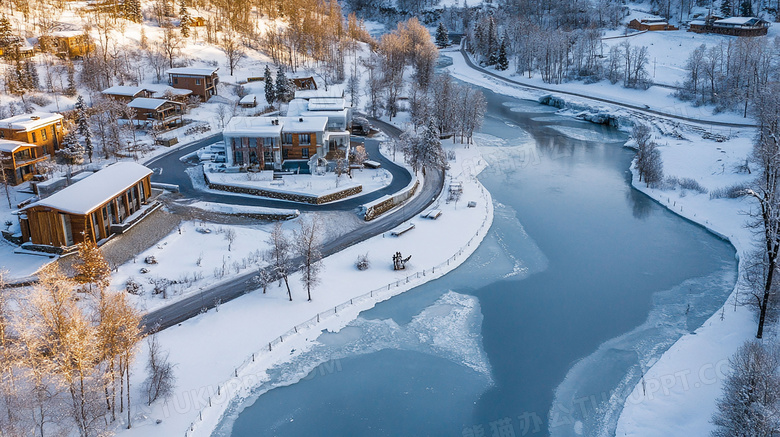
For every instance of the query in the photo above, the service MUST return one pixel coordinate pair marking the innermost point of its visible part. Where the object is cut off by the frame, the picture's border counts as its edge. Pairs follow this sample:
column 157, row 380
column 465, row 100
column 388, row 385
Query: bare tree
column 230, row 236
column 750, row 405
column 160, row 380
column 648, row 158
column 279, row 254
column 233, row 49
column 171, row 42
column 308, row 242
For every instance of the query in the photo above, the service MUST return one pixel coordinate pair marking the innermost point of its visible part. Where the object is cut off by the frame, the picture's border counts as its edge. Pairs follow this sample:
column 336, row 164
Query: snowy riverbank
column 235, row 340
column 679, row 392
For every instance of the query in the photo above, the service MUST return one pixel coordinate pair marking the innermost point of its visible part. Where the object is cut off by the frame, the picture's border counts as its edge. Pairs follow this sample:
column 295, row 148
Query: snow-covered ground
column 309, row 184
column 209, row 349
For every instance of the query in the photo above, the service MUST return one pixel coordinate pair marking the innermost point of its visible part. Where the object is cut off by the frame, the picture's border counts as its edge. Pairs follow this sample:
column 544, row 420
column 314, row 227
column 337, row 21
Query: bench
column 432, row 214
column 397, row 232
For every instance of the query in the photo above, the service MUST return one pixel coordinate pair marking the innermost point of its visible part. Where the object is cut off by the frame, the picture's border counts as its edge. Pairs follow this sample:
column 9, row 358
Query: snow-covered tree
column 270, row 91
column 160, row 380
column 279, row 254
column 442, row 36
column 71, row 151
column 726, row 8
column 648, row 158
column 82, row 123
column 91, row 267
column 308, row 243
column 502, row 61
column 750, row 405
column 284, row 90
column 184, row 19
column 423, row 150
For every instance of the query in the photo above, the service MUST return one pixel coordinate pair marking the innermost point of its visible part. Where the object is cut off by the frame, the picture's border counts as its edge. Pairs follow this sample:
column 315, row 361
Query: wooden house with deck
column 19, row 160
column 38, row 128
column 156, row 112
column 201, row 81
column 95, row 207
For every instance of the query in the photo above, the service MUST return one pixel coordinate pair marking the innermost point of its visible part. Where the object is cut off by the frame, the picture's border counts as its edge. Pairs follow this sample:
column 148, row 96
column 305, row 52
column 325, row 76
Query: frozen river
column 581, row 283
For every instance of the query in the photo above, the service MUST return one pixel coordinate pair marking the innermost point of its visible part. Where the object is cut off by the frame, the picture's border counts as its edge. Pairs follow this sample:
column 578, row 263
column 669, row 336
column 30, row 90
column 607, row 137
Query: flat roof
column 741, row 21
column 11, row 146
column 159, row 90
column 28, row 122
column 193, row 71
column 123, row 90
column 327, row 104
column 303, row 124
column 89, row 193
column 332, row 91
column 253, row 126
column 146, row 103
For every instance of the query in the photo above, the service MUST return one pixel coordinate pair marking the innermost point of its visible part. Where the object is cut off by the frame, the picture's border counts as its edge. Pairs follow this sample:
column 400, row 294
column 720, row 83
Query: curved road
column 598, row 99
column 193, row 305
column 169, row 169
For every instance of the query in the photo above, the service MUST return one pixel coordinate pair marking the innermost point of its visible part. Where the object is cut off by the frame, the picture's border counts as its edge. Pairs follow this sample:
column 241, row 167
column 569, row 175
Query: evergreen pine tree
column 270, row 92
column 492, row 58
column 82, row 121
column 184, row 19
column 6, row 34
column 725, row 8
column 71, row 151
column 31, row 72
column 746, row 8
column 132, row 10
column 282, row 86
column 70, row 90
column 502, row 62
column 442, row 37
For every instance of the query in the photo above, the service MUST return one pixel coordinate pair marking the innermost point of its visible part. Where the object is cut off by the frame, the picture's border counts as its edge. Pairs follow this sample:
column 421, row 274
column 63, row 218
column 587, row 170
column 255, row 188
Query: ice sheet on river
column 581, row 408
column 450, row 328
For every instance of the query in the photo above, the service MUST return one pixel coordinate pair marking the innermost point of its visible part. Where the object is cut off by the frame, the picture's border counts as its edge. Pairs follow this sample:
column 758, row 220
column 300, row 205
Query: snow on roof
column 698, row 22
column 91, row 192
column 297, row 107
column 332, row 91
column 327, row 104
column 11, row 146
column 146, row 103
column 739, row 21
column 28, row 122
column 192, row 71
column 252, row 126
column 123, row 90
column 249, row 98
column 262, row 126
column 303, row 124
column 160, row 90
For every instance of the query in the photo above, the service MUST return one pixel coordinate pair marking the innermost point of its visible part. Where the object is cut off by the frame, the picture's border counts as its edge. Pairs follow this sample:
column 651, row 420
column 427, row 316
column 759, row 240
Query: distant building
column 650, row 24
column 156, row 112
column 17, row 48
column 95, row 207
column 67, row 44
column 734, row 26
column 274, row 143
column 201, row 81
column 336, row 136
column 39, row 128
column 124, row 93
column 248, row 101
column 304, row 82
column 20, row 160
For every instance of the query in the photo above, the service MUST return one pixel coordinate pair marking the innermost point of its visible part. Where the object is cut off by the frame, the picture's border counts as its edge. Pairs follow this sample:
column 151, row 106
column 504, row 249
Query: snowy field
column 225, row 339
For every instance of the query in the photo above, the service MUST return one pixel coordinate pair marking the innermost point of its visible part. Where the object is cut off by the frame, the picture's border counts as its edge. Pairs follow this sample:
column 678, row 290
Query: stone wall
column 292, row 197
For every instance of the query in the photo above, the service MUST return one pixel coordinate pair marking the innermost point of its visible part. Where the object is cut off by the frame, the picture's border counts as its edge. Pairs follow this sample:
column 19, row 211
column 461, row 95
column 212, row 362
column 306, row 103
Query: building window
column 34, row 138
column 197, row 81
column 287, row 139
column 305, row 153
column 2, row 134
column 238, row 157
column 175, row 80
column 304, row 139
column 43, row 134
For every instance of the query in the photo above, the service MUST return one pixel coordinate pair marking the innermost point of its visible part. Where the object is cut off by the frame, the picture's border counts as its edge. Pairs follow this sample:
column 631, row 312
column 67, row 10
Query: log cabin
column 39, row 128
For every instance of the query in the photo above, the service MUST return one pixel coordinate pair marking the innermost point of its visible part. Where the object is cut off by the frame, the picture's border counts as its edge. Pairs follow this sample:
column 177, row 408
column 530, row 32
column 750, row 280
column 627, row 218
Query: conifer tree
column 132, row 10
column 82, row 122
column 270, row 91
column 92, row 267
column 6, row 34
column 442, row 36
column 502, row 62
column 70, row 90
column 725, row 8
column 746, row 8
column 282, row 86
column 184, row 19
column 31, row 72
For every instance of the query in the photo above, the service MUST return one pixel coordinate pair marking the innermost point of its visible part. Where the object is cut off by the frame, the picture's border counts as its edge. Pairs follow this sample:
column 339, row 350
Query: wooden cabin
column 67, row 44
column 650, row 24
column 734, row 26
column 94, row 207
column 156, row 112
column 125, row 93
column 20, row 160
column 201, row 81
column 304, row 83
column 39, row 128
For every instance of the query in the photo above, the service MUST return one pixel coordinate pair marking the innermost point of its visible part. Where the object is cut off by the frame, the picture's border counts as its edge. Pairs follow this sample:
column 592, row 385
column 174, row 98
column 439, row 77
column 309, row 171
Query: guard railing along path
column 376, row 295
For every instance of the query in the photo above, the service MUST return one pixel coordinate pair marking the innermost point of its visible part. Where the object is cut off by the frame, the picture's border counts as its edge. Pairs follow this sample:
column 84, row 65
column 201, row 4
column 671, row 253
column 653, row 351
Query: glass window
column 287, row 139
column 43, row 134
column 305, row 152
column 304, row 139
column 197, row 81
column 34, row 137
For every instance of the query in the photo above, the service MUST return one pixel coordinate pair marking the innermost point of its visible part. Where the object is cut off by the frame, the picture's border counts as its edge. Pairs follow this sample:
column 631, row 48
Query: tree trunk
column 767, row 293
